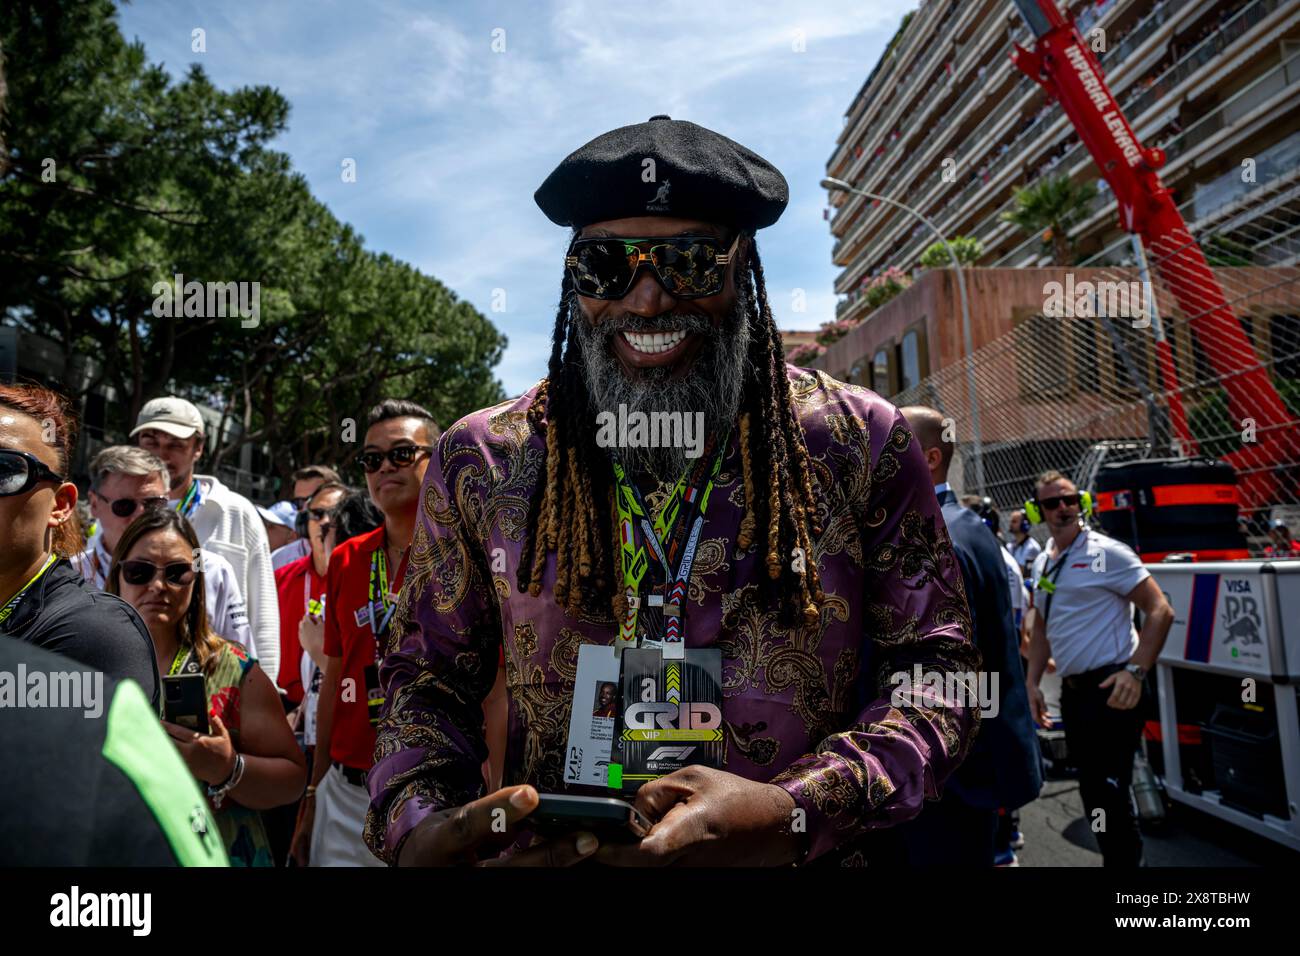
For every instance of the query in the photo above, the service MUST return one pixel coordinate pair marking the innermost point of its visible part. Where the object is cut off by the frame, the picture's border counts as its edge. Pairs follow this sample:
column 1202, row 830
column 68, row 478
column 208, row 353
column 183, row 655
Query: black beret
column 698, row 174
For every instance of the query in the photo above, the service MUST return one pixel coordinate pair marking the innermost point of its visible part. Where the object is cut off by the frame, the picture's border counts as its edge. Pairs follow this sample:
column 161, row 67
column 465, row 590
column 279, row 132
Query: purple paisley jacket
column 806, row 708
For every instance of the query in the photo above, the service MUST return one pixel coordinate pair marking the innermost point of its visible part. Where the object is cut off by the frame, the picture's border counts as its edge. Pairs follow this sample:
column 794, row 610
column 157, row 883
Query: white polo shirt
column 1090, row 622
column 1025, row 552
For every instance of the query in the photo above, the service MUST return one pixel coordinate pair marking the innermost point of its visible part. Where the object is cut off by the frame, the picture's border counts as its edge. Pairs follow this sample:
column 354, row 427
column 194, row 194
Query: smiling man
column 754, row 592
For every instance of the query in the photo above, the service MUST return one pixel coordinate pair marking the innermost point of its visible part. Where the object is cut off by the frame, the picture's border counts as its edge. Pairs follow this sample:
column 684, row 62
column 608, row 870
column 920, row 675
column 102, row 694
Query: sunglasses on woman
column 139, row 572
column 125, row 507
column 21, row 472
column 401, row 456
column 1051, row 504
column 688, row 267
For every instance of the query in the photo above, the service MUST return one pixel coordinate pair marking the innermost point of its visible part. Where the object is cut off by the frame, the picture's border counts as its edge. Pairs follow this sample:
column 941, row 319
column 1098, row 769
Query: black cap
column 695, row 174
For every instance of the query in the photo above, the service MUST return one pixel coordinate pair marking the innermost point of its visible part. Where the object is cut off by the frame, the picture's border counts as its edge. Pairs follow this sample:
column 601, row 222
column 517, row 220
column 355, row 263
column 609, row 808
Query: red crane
column 1066, row 68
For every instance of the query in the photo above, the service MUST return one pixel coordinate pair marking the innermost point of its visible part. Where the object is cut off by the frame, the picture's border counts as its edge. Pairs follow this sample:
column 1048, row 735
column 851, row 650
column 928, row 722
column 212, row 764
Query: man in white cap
column 226, row 523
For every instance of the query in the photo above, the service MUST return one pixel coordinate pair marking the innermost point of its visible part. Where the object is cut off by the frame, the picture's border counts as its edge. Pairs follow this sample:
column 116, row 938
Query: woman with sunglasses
column 125, row 480
column 249, row 760
column 43, row 600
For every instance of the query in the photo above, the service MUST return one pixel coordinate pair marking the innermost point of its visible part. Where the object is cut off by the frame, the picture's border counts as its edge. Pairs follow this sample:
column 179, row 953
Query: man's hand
column 1038, row 705
column 707, row 817
column 311, row 635
column 1126, row 690
column 461, row 834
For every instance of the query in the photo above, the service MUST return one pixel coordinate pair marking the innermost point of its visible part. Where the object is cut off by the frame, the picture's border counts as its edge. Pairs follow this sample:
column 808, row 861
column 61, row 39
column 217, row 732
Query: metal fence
column 1072, row 392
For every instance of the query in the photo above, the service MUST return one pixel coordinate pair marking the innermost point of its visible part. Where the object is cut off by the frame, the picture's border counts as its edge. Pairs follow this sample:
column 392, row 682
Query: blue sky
column 451, row 138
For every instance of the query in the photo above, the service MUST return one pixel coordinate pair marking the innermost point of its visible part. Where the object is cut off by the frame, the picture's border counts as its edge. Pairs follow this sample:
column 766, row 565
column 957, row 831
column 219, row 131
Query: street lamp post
column 976, row 442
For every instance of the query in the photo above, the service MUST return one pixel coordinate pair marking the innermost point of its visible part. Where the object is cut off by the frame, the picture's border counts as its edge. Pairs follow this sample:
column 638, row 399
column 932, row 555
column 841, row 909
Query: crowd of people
column 276, row 726
column 418, row 662
column 176, row 574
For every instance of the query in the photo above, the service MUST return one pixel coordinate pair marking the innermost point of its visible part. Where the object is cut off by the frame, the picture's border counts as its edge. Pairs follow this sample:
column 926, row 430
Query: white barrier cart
column 1240, row 620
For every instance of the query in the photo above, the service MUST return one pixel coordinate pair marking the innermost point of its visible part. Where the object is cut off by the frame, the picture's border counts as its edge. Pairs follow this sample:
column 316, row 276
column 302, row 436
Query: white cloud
column 452, row 139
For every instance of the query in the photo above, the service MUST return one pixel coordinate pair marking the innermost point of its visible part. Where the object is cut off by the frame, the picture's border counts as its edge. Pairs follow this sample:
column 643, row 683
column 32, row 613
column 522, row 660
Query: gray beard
column 712, row 386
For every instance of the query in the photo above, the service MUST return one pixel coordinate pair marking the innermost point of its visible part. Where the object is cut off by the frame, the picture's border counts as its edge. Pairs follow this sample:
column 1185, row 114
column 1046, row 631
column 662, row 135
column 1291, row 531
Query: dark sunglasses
column 1051, row 504
column 318, row 514
column 299, row 502
column 688, row 267
column 401, row 456
column 139, row 572
column 125, row 507
column 20, row 472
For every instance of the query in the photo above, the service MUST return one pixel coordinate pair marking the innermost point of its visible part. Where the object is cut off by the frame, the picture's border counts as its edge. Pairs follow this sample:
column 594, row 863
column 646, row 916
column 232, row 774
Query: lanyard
column 311, row 605
column 12, row 604
column 181, row 660
column 679, row 523
column 378, row 593
column 193, row 498
column 1047, row 583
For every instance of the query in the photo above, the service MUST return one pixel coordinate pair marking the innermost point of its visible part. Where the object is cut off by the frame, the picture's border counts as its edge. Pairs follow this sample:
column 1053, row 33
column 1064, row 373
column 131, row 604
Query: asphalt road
column 1057, row 834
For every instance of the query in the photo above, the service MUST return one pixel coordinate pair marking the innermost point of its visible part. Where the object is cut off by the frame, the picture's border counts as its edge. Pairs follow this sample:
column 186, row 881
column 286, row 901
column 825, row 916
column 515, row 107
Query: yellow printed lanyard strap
column 683, row 516
column 12, row 604
column 179, row 661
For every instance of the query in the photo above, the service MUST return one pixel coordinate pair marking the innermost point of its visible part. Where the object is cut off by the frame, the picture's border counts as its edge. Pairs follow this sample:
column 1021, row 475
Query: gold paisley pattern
column 804, row 706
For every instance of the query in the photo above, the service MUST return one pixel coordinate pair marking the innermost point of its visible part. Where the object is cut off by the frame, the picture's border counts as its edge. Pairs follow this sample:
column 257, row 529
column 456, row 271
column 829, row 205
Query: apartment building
column 947, row 125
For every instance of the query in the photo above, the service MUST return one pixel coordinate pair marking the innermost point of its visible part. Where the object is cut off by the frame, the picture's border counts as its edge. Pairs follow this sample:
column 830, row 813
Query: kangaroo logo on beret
column 660, row 201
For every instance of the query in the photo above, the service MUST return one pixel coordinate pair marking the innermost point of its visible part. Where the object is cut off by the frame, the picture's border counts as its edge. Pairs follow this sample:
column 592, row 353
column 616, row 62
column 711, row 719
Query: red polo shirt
column 348, row 635
column 296, row 583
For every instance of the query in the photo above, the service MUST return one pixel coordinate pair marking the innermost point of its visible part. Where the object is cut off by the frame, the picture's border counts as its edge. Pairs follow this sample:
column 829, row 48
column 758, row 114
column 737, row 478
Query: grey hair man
column 125, row 481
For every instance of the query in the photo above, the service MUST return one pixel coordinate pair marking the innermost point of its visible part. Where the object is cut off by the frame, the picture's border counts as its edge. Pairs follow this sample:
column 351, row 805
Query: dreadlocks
column 573, row 512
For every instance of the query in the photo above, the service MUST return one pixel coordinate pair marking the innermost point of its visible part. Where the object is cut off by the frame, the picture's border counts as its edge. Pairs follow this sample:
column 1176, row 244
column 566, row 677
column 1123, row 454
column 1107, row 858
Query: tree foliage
column 967, row 249
column 114, row 177
column 1050, row 207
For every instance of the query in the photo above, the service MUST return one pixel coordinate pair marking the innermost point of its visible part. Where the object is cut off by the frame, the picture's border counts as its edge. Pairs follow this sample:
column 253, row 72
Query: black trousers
column 948, row 832
column 1102, row 742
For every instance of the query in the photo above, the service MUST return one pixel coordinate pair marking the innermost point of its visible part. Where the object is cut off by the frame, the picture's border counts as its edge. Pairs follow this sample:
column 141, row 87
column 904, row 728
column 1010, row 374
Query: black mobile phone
column 185, row 701
column 610, row 819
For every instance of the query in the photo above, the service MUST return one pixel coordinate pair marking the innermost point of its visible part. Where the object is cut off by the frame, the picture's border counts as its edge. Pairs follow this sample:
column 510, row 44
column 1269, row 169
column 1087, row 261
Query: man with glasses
column 124, row 481
column 306, row 482
column 1085, row 586
column 755, row 559
column 226, row 523
column 365, row 576
column 300, row 586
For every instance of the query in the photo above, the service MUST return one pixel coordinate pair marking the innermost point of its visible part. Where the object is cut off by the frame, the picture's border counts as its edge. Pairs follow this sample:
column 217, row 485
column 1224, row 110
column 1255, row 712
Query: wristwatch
column 1137, row 670
column 218, row 793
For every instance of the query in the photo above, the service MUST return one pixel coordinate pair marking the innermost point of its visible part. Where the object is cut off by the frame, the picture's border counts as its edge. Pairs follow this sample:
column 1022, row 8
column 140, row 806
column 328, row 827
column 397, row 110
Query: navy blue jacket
column 64, row 614
column 1003, row 768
